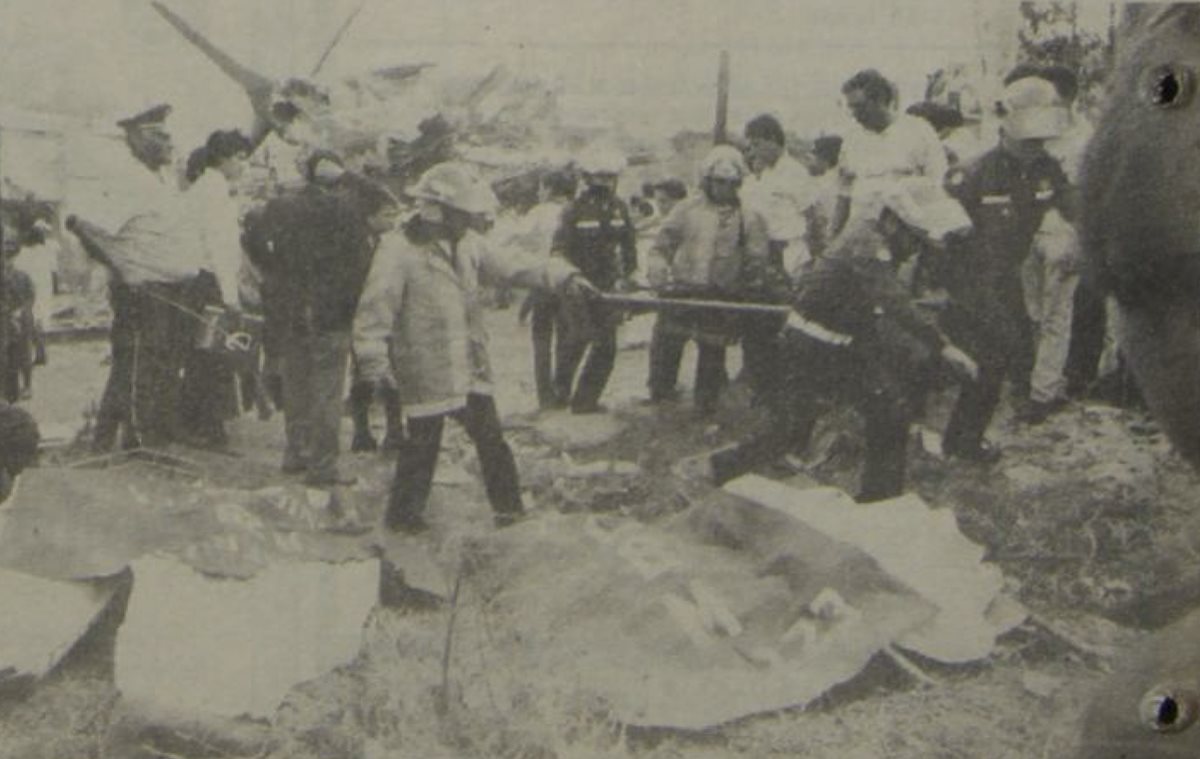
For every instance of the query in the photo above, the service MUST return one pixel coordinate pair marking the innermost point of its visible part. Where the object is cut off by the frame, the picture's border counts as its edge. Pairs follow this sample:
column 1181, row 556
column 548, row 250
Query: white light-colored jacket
column 422, row 298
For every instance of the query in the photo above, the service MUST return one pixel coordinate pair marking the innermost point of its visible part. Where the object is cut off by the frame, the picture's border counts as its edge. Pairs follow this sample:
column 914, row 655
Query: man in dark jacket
column 318, row 244
column 598, row 237
column 1007, row 192
column 853, row 336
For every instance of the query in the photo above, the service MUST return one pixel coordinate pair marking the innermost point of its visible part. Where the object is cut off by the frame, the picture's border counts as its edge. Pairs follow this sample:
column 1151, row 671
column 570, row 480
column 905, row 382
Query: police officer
column 597, row 236
column 854, row 336
column 1006, row 191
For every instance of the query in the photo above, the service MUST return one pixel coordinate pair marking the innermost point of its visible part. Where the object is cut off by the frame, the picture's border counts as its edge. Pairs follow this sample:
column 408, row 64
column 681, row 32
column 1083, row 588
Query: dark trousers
column 151, row 336
column 599, row 342
column 207, row 396
column 818, row 373
column 666, row 352
column 314, row 378
column 992, row 327
column 417, row 458
column 760, row 357
column 543, row 325
column 116, row 404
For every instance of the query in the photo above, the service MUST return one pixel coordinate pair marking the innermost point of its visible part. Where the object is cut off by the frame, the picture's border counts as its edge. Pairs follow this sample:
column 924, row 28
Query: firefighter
column 708, row 247
column 854, row 336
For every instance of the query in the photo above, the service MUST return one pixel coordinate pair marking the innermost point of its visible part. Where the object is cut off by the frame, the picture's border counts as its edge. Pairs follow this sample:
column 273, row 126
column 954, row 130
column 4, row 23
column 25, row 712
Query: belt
column 816, row 331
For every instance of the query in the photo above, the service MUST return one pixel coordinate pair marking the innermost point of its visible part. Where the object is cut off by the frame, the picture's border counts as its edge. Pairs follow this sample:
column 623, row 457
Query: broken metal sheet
column 77, row 524
column 40, row 620
column 235, row 647
column 920, row 547
column 675, row 629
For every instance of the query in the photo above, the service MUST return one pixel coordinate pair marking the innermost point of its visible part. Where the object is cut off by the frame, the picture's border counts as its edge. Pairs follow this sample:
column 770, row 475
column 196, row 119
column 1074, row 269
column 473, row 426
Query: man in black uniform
column 854, row 336
column 1006, row 191
column 597, row 236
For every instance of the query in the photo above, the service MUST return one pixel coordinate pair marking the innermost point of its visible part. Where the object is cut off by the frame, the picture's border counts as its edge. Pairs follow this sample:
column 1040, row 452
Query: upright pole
column 3, row 280
column 719, row 130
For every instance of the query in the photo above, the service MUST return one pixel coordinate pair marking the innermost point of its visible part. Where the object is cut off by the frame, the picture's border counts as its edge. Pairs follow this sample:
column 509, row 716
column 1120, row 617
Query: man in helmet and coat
column 420, row 313
column 854, row 336
column 710, row 246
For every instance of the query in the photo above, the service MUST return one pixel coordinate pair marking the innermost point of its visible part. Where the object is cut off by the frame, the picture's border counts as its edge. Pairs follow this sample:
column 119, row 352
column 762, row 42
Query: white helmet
column 458, row 186
column 724, row 162
column 1033, row 110
column 601, row 161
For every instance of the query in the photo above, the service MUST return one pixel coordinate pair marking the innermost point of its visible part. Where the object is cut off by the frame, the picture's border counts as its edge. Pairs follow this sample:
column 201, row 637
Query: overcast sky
column 650, row 63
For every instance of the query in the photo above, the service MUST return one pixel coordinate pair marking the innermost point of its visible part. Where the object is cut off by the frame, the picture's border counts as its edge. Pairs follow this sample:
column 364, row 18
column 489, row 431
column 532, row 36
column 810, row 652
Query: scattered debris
column 568, row 431
column 1041, row 685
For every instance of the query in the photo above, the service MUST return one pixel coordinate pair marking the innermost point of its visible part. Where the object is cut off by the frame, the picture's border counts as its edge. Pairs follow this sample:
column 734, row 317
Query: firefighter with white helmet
column 420, row 319
column 597, row 236
column 853, row 337
column 709, row 247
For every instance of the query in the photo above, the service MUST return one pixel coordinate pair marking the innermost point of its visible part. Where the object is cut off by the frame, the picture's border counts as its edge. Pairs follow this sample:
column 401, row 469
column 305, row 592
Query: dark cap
column 673, row 188
column 149, row 117
column 939, row 116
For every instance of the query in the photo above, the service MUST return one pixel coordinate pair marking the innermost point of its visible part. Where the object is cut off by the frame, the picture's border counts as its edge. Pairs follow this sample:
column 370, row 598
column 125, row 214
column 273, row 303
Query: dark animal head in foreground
column 1141, row 217
column 1141, row 228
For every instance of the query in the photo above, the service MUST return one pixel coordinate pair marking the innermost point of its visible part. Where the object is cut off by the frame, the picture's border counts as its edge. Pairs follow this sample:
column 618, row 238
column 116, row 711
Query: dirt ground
column 1089, row 516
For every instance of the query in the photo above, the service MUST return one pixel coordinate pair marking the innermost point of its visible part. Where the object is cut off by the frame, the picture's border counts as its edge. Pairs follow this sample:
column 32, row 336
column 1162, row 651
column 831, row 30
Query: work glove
column 960, row 363
column 577, row 286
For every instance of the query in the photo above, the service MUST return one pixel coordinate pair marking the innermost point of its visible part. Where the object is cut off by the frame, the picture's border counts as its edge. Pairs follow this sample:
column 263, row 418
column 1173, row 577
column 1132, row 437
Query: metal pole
column 653, row 302
column 3, row 281
column 719, row 130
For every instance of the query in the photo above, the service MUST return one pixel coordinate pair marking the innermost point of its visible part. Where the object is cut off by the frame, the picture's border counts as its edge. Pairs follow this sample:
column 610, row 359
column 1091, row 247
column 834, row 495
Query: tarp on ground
column 918, row 546
column 729, row 610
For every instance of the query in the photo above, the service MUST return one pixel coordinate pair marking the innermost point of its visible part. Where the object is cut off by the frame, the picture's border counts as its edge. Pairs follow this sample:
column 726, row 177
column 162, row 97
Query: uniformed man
column 153, row 262
column 854, row 336
column 1007, row 192
column 598, row 237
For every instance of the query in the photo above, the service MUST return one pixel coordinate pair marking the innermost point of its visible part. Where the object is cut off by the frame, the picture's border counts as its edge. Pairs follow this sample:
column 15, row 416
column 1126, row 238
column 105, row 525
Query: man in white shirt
column 153, row 261
column 782, row 190
column 891, row 147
